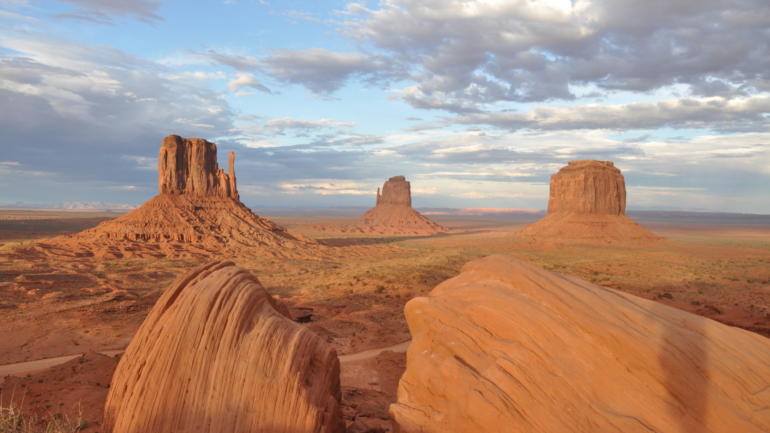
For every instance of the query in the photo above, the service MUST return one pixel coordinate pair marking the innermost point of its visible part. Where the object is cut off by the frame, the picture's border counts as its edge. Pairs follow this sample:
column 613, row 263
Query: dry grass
column 14, row 420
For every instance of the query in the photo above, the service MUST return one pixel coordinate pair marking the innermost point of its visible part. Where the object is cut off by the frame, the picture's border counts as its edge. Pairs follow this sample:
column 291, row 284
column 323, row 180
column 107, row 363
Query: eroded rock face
column 392, row 215
column 588, row 187
column 587, row 205
column 189, row 166
column 216, row 355
column 197, row 213
column 396, row 190
column 508, row 346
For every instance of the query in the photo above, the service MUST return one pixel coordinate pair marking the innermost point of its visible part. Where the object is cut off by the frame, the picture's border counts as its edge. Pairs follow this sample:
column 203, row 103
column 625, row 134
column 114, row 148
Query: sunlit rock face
column 509, row 347
column 587, row 205
column 218, row 354
column 197, row 213
column 189, row 166
column 588, row 186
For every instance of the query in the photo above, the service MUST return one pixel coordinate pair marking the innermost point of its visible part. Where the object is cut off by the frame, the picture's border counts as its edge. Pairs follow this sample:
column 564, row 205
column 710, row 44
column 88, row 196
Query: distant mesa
column 196, row 213
column 587, row 205
column 217, row 353
column 392, row 215
column 508, row 346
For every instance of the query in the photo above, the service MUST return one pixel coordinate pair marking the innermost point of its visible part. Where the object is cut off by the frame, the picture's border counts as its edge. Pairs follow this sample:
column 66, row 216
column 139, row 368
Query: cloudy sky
column 476, row 102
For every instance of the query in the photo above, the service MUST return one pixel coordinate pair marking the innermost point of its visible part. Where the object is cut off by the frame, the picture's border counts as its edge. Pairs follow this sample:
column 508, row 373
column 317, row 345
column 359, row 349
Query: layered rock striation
column 393, row 214
column 218, row 354
column 189, row 166
column 196, row 213
column 508, row 346
column 587, row 204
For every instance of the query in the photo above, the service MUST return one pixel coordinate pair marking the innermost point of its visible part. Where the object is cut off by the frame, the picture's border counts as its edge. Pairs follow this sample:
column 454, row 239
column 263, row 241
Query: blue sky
column 476, row 102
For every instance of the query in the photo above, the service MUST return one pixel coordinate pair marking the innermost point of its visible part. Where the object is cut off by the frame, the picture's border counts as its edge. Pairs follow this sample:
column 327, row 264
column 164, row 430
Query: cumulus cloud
column 246, row 80
column 705, row 113
column 76, row 110
column 470, row 54
column 322, row 71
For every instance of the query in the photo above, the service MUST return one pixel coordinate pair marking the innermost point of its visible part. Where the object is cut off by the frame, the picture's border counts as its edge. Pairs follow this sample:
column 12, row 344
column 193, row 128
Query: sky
column 477, row 103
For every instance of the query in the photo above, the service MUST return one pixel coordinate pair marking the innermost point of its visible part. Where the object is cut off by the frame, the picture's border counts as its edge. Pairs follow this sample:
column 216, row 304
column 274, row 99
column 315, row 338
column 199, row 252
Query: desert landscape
column 406, row 216
column 73, row 304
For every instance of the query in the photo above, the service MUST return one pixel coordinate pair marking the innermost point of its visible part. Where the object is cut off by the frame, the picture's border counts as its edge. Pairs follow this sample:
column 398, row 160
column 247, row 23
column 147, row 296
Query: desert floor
column 91, row 308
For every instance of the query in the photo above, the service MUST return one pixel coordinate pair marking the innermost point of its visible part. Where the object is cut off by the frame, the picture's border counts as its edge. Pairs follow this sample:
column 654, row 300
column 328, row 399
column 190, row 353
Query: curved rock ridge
column 587, row 204
column 216, row 355
column 392, row 215
column 197, row 213
column 508, row 346
column 189, row 166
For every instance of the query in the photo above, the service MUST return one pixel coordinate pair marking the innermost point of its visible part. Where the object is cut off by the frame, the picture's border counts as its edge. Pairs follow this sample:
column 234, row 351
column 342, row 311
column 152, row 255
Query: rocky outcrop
column 589, row 186
column 216, row 355
column 587, row 204
column 197, row 213
column 396, row 190
column 508, row 346
column 392, row 215
column 189, row 166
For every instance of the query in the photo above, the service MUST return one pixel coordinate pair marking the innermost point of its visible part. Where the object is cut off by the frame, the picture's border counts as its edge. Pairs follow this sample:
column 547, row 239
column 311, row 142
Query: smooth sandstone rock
column 216, row 355
column 507, row 346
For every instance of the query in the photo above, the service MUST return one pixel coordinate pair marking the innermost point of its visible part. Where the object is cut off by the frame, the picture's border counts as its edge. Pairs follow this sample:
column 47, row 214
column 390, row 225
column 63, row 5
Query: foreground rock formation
column 393, row 214
column 587, row 205
column 508, row 346
column 218, row 354
column 197, row 213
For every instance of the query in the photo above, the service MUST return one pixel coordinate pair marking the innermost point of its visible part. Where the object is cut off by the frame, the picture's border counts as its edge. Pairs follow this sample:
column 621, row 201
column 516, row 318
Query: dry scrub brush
column 14, row 420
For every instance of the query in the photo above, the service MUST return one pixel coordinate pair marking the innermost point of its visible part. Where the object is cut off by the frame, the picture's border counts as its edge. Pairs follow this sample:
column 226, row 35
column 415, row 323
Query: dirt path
column 23, row 368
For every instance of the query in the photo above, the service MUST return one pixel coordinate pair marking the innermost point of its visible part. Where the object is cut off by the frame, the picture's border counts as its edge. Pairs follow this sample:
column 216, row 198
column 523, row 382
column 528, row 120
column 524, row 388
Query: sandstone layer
column 587, row 204
column 508, row 346
column 218, row 354
column 189, row 166
column 197, row 213
column 392, row 215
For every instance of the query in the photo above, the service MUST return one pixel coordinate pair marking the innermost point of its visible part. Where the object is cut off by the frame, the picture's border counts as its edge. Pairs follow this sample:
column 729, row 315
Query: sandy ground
column 66, row 307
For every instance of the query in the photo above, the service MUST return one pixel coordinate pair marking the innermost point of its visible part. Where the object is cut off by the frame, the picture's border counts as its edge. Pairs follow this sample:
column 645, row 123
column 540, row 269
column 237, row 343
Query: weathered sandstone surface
column 589, row 186
column 197, row 213
column 189, row 166
column 393, row 214
column 587, row 204
column 218, row 354
column 508, row 346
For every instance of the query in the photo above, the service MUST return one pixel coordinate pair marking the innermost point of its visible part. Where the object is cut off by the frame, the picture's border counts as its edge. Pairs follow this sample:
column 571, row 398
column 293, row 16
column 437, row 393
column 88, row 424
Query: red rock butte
column 392, row 214
column 587, row 204
column 189, row 166
column 509, row 347
column 217, row 353
column 197, row 213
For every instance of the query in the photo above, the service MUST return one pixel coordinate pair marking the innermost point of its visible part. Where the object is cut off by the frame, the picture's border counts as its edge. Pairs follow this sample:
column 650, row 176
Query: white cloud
column 244, row 79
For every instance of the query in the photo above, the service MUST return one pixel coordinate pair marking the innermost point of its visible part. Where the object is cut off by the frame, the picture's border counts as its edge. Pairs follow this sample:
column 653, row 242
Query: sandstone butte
column 218, row 354
column 587, row 204
column 393, row 214
column 507, row 346
column 196, row 213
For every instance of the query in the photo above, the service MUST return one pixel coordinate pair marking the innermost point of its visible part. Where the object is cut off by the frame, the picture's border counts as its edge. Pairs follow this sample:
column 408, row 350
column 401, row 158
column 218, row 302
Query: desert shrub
column 380, row 288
